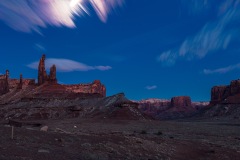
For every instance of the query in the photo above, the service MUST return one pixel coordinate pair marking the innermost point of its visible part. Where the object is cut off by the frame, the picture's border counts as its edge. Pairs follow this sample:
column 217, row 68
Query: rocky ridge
column 116, row 107
column 177, row 107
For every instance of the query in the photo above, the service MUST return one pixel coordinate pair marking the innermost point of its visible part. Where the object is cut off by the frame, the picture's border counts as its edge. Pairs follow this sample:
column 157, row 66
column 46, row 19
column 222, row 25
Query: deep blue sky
column 152, row 49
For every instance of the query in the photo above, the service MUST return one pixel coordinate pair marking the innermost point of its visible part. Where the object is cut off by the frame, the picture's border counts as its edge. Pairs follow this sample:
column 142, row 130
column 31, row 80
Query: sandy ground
column 84, row 139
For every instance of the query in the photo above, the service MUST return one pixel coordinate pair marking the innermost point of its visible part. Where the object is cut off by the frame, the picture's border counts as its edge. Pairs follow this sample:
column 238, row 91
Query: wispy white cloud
column 67, row 65
column 222, row 70
column 196, row 7
column 168, row 58
column 30, row 15
column 214, row 36
column 151, row 87
column 39, row 47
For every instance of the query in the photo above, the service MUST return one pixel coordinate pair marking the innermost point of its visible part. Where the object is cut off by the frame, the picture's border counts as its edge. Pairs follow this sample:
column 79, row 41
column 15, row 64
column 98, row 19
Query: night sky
column 144, row 48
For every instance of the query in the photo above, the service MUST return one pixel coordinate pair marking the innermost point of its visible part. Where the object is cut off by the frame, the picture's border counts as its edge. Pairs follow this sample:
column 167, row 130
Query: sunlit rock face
column 92, row 88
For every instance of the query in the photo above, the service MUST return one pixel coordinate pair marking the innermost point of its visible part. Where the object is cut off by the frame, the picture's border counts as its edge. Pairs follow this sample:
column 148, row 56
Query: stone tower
column 42, row 74
column 20, row 82
column 52, row 76
column 7, row 74
column 6, row 82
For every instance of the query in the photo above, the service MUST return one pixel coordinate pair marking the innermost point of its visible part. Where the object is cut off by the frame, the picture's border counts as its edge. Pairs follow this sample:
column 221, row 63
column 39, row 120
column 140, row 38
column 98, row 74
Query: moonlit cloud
column 67, row 65
column 151, row 87
column 28, row 16
column 222, row 70
column 214, row 36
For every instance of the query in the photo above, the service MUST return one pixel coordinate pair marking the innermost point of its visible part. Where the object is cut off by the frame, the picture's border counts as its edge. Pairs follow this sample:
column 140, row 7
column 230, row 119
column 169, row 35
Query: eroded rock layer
column 46, row 87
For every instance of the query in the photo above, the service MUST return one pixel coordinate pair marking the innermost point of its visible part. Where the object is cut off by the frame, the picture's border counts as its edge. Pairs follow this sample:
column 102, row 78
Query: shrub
column 143, row 132
column 159, row 133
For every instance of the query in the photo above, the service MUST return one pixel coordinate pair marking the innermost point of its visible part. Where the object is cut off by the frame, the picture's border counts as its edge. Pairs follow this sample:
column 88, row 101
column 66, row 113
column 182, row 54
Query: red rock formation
column 219, row 93
column 52, row 76
column 93, row 88
column 234, row 87
column 42, row 74
column 20, row 85
column 4, row 85
column 181, row 101
column 103, row 91
column 222, row 94
column 51, row 87
column 7, row 74
column 6, row 82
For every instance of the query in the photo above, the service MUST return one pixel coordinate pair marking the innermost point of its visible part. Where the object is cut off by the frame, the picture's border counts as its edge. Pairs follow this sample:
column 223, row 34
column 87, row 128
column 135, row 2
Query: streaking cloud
column 214, row 36
column 222, row 70
column 151, row 87
column 67, row 65
column 30, row 15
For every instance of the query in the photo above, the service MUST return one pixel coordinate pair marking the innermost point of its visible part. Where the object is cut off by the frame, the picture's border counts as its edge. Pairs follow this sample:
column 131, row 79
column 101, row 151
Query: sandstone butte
column 47, row 86
column 228, row 94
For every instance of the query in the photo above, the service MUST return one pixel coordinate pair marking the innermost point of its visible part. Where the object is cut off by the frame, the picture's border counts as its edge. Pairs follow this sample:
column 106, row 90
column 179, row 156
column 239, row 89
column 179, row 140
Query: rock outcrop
column 224, row 102
column 114, row 107
column 20, row 85
column 47, row 87
column 235, row 87
column 219, row 93
column 177, row 107
column 226, row 94
column 52, row 76
column 42, row 74
column 181, row 101
column 4, row 85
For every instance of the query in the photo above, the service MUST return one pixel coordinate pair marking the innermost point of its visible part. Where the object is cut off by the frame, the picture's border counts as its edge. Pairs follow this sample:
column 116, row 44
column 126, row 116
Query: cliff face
column 226, row 94
column 225, row 101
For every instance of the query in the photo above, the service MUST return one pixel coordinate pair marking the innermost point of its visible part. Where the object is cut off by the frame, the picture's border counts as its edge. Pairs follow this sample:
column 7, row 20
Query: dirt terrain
column 90, row 138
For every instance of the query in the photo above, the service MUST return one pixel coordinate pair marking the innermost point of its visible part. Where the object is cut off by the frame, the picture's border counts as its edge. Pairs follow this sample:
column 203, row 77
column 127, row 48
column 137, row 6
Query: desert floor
column 122, row 139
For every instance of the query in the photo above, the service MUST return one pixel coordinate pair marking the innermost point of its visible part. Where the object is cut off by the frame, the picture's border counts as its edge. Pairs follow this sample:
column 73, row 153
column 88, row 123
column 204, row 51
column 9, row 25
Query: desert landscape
column 119, row 80
column 54, row 121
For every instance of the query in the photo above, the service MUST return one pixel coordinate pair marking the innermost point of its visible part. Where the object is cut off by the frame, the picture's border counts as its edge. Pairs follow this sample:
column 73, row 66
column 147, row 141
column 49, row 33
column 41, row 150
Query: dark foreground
column 117, row 139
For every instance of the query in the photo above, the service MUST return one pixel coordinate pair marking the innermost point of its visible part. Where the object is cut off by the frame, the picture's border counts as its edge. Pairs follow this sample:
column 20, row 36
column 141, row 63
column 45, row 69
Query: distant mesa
column 182, row 101
column 225, row 101
column 47, row 86
column 177, row 107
